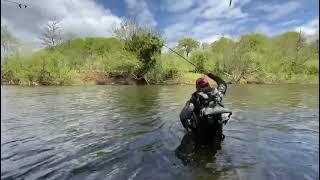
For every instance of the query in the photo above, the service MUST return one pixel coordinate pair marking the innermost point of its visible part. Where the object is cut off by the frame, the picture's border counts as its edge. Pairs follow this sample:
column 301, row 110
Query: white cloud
column 177, row 31
column 211, row 39
column 309, row 28
column 213, row 30
column 276, row 11
column 208, row 20
column 218, row 37
column 263, row 29
column 219, row 9
column 82, row 17
column 204, row 20
column 209, row 9
column 207, row 31
column 289, row 22
column 240, row 3
column 268, row 30
column 178, row 5
column 140, row 10
column 211, row 27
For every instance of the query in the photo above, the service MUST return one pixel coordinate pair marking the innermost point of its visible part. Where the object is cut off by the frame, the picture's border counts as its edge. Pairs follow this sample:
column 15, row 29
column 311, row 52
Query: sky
column 204, row 20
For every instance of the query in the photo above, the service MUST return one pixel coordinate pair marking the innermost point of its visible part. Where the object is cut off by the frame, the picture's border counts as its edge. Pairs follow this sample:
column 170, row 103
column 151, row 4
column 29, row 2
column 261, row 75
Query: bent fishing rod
column 180, row 55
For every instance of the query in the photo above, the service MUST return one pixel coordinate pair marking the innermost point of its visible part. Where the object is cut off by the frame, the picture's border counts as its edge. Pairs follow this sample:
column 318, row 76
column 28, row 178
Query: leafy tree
column 199, row 60
column 221, row 44
column 254, row 42
column 238, row 61
column 188, row 45
column 254, row 58
column 142, row 41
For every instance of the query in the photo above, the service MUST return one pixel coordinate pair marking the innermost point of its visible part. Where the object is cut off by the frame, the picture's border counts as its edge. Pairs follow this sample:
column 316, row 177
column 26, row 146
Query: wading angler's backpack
column 210, row 120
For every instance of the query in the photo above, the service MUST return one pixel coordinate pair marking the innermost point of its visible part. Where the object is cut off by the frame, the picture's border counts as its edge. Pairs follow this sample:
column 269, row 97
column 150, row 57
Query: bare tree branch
column 9, row 43
column 51, row 35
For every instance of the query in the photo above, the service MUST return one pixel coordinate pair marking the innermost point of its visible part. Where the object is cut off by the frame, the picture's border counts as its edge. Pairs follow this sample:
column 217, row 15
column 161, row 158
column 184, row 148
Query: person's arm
column 186, row 115
column 222, row 85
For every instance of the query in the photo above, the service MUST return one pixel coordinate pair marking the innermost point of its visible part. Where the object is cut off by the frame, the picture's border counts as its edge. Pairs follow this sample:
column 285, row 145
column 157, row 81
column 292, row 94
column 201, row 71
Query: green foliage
column 220, row 45
column 144, row 42
column 157, row 74
column 254, row 42
column 63, row 64
column 168, row 66
column 46, row 68
column 311, row 66
column 188, row 45
column 171, row 60
column 115, row 63
column 199, row 60
column 257, row 58
column 136, row 53
column 146, row 46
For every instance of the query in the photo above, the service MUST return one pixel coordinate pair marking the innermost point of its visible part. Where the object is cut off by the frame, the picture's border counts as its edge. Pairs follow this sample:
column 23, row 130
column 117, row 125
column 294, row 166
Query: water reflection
column 138, row 100
column 191, row 153
column 128, row 132
column 272, row 96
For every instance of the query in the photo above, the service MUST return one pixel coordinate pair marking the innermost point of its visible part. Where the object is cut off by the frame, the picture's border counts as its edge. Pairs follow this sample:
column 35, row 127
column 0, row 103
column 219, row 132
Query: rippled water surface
column 129, row 132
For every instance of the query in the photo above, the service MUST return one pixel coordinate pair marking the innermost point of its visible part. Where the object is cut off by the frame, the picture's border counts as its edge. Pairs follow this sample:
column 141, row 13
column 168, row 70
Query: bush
column 144, row 42
column 161, row 72
column 311, row 66
column 199, row 59
column 255, row 58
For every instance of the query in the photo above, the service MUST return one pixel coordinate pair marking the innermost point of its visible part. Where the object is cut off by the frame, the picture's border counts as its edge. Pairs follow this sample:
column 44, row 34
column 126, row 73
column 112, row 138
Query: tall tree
column 145, row 42
column 188, row 45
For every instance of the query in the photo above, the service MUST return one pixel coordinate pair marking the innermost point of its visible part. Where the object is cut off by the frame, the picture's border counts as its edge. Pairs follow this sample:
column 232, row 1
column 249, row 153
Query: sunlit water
column 129, row 132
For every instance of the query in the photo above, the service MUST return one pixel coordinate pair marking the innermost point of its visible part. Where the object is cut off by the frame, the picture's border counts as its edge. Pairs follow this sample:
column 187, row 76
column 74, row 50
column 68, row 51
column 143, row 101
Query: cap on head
column 202, row 82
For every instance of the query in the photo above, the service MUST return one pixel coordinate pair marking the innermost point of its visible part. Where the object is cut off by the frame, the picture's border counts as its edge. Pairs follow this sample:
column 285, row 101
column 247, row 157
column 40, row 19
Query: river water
column 133, row 132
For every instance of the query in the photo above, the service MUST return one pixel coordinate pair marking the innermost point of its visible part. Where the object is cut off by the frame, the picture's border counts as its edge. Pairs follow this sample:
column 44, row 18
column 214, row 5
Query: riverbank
column 109, row 61
column 101, row 78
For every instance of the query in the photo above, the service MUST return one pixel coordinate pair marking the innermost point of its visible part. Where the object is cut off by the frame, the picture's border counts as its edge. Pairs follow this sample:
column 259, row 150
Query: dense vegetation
column 135, row 53
column 257, row 58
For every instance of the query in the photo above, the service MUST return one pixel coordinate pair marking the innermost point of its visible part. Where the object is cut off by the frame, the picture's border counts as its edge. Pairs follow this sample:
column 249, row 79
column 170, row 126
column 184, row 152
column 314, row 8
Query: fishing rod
column 183, row 56
column 180, row 55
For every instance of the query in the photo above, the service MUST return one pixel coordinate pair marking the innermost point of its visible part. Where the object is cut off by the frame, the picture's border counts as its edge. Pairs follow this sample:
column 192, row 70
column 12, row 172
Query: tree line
column 137, row 52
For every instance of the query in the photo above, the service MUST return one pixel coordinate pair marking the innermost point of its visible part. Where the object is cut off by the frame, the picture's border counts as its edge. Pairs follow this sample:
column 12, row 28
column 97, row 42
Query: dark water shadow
column 206, row 161
column 194, row 154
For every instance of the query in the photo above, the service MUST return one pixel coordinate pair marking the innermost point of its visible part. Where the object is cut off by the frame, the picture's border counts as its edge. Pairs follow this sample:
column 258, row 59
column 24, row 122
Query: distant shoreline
column 95, row 78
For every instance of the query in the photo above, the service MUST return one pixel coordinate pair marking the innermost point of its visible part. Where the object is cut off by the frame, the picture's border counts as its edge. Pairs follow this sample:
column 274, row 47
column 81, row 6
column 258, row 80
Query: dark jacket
column 218, row 92
column 192, row 108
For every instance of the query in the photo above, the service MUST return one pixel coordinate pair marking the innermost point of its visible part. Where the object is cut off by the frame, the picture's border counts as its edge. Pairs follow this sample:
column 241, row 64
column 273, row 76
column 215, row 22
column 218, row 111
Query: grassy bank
column 253, row 59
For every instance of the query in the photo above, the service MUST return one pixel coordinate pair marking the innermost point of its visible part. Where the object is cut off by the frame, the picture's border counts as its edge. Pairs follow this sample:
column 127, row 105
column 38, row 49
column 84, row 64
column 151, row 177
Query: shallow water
column 130, row 132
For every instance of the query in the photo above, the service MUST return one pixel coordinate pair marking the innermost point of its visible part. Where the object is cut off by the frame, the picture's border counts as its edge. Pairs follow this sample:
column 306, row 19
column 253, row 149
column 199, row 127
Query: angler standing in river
column 202, row 114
